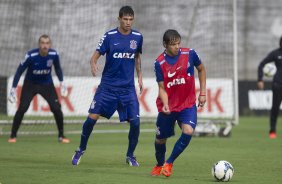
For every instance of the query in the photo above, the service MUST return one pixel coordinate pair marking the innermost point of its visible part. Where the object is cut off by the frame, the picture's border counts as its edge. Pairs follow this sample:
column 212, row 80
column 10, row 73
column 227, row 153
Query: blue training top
column 39, row 67
column 120, row 57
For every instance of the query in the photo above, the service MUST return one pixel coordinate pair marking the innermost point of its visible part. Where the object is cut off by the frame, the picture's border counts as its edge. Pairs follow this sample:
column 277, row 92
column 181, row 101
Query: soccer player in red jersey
column 177, row 98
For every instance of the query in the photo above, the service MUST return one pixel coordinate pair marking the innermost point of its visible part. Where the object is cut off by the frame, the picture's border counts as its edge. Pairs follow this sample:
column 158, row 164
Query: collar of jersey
column 171, row 60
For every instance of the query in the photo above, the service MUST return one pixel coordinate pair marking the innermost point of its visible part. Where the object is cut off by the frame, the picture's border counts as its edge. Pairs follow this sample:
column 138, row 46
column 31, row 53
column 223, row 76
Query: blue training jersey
column 39, row 67
column 120, row 57
column 194, row 60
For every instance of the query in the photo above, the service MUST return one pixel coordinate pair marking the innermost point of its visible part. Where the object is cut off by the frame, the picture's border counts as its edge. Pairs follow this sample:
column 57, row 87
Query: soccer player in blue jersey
column 123, row 47
column 38, row 80
column 177, row 98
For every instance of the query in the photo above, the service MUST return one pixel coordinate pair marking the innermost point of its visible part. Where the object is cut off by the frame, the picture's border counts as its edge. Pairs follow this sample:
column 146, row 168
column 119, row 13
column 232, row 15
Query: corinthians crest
column 50, row 63
column 133, row 44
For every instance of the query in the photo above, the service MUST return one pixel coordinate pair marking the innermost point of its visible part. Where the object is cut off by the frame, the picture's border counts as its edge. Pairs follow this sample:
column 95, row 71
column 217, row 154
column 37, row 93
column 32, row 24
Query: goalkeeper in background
column 123, row 48
column 276, row 57
column 177, row 98
column 38, row 80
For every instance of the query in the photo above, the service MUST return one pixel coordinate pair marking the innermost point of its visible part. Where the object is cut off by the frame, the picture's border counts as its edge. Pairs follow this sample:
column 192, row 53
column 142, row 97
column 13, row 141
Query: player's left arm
column 59, row 73
column 202, row 79
column 139, row 71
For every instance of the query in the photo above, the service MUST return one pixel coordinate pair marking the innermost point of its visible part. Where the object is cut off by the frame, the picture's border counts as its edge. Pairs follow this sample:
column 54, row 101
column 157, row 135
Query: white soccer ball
column 269, row 69
column 222, row 171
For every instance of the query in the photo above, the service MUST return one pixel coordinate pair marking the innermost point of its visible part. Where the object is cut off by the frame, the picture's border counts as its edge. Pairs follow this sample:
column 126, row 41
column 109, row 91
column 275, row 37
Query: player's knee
column 187, row 129
column 160, row 141
column 94, row 116
column 135, row 123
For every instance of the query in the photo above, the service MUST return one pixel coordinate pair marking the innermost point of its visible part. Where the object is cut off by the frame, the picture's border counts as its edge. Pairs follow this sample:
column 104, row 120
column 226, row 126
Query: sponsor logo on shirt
column 176, row 82
column 170, row 74
column 124, row 55
column 133, row 44
column 41, row 72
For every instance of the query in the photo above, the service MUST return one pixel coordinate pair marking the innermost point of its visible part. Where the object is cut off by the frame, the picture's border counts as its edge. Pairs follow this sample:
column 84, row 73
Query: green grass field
column 40, row 159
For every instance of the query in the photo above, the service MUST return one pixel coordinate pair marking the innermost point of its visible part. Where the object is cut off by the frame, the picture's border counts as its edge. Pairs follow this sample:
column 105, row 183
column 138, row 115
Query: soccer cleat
column 132, row 161
column 156, row 171
column 12, row 140
column 64, row 140
column 76, row 157
column 272, row 135
column 167, row 169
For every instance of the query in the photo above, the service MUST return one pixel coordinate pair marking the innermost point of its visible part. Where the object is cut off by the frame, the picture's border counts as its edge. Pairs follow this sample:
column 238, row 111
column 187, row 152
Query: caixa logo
column 41, row 72
column 124, row 55
column 176, row 82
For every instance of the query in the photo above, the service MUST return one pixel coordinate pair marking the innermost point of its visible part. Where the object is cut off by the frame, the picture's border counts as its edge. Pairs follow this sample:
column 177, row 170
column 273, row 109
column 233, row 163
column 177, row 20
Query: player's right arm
column 102, row 48
column 164, row 98
column 93, row 63
column 162, row 92
column 21, row 68
column 269, row 58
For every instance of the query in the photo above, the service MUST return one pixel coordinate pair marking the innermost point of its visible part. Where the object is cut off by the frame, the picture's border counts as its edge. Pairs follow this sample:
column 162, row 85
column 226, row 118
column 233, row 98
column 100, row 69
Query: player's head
column 126, row 17
column 280, row 42
column 171, row 42
column 44, row 44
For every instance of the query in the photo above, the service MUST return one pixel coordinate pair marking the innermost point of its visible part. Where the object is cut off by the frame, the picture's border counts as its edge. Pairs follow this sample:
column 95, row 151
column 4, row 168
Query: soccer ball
column 269, row 69
column 222, row 171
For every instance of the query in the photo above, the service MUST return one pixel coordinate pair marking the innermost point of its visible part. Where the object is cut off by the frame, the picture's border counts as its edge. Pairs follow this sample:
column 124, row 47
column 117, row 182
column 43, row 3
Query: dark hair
column 126, row 10
column 281, row 42
column 43, row 36
column 170, row 36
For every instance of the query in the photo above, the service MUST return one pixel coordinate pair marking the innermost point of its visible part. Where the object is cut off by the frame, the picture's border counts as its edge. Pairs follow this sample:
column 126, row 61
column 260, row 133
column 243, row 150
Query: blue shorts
column 165, row 123
column 106, row 101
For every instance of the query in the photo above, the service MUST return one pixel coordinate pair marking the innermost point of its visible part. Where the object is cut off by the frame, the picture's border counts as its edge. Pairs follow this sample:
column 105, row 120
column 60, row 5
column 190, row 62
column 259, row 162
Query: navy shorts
column 165, row 123
column 106, row 101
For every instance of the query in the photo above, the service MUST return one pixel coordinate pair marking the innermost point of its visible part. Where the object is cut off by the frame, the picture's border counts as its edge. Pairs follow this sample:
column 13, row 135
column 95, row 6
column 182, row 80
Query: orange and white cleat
column 156, row 171
column 272, row 135
column 64, row 140
column 12, row 140
column 167, row 169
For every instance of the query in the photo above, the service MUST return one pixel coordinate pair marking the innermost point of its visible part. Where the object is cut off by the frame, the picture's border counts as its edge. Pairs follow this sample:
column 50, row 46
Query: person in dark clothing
column 38, row 80
column 276, row 57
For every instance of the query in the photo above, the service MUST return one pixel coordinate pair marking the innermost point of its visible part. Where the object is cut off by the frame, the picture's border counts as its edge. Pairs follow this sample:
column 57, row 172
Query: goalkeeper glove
column 64, row 90
column 12, row 95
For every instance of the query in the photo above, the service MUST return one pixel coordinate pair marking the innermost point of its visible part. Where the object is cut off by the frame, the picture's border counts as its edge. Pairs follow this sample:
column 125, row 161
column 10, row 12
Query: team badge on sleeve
column 133, row 44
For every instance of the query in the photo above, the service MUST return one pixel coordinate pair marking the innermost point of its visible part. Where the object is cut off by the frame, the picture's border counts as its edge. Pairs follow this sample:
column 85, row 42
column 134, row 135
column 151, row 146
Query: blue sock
column 179, row 147
column 133, row 135
column 160, row 153
column 86, row 131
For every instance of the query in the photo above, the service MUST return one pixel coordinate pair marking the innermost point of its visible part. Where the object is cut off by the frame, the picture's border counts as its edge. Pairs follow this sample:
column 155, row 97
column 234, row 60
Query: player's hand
column 201, row 101
column 12, row 95
column 94, row 70
column 260, row 85
column 63, row 90
column 166, row 109
column 140, row 82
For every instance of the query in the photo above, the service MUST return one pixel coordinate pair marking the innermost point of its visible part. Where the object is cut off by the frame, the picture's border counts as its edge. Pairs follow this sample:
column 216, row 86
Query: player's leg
column 128, row 110
column 188, row 121
column 28, row 92
column 48, row 92
column 276, row 101
column 104, row 104
column 87, row 129
column 164, row 129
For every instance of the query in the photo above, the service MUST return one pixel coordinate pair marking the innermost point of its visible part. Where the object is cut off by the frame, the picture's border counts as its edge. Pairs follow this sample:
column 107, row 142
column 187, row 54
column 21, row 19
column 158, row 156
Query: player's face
column 44, row 45
column 173, row 47
column 126, row 22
